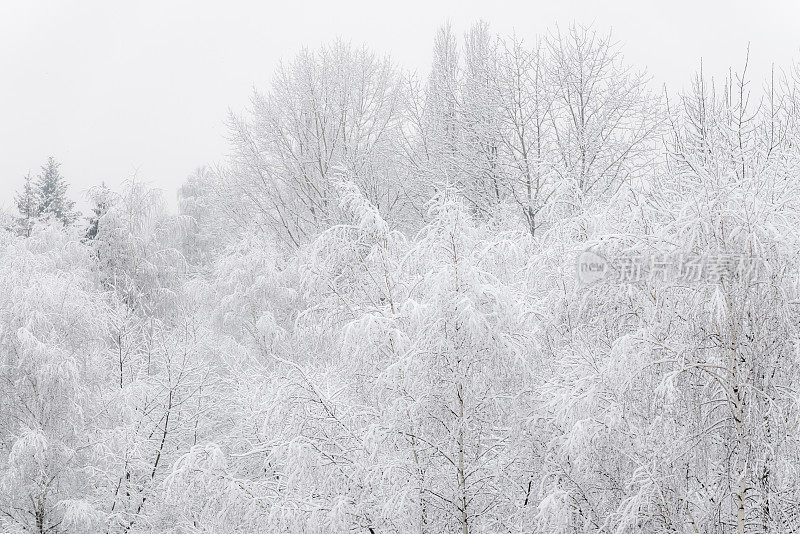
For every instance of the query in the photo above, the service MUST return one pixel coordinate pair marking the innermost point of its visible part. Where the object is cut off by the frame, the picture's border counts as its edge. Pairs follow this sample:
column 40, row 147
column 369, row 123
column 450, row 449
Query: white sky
column 111, row 88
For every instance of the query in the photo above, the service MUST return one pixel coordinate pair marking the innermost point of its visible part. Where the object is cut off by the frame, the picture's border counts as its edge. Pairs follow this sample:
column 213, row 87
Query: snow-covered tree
column 51, row 194
column 53, row 345
column 27, row 206
column 527, row 152
column 603, row 115
column 368, row 318
column 329, row 110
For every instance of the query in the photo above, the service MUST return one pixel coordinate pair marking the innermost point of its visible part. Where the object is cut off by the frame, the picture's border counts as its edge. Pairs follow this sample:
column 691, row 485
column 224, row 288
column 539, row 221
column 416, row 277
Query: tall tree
column 51, row 190
column 602, row 114
column 28, row 207
column 329, row 111
column 53, row 349
column 526, row 99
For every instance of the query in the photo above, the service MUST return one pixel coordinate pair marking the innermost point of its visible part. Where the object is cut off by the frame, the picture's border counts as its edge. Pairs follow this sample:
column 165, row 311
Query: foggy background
column 111, row 89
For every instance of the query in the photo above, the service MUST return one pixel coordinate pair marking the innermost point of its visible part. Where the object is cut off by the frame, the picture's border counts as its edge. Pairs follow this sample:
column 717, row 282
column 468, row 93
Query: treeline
column 534, row 127
column 368, row 318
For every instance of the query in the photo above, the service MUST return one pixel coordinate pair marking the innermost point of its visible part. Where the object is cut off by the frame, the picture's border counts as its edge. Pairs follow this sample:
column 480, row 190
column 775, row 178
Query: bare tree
column 330, row 111
column 603, row 117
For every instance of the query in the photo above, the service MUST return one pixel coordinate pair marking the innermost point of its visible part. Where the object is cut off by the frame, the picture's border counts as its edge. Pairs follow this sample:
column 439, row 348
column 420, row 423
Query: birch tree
column 53, row 345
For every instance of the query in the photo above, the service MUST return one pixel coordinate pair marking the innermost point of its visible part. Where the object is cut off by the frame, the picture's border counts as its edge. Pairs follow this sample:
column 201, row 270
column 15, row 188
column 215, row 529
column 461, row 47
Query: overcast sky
column 112, row 88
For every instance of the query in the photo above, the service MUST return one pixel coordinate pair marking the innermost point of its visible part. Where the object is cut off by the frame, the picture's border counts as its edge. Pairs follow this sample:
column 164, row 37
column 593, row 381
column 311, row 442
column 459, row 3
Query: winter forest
column 377, row 315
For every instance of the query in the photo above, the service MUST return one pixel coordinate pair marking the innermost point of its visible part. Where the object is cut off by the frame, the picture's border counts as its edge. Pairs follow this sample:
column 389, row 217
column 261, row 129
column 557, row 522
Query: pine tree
column 28, row 207
column 51, row 189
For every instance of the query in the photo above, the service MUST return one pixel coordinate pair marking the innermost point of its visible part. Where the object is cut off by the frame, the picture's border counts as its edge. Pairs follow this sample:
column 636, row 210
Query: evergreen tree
column 51, row 189
column 28, row 207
